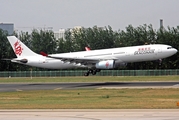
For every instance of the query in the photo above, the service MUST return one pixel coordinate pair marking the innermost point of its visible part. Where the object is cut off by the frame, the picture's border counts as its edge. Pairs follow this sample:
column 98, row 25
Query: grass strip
column 88, row 79
column 91, row 99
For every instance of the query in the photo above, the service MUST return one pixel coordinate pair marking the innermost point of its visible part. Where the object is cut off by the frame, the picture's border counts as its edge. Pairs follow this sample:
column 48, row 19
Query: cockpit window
column 169, row 47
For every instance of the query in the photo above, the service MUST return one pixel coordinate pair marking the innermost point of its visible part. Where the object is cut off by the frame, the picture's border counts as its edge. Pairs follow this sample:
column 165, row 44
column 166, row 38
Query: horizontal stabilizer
column 22, row 60
column 6, row 59
column 16, row 60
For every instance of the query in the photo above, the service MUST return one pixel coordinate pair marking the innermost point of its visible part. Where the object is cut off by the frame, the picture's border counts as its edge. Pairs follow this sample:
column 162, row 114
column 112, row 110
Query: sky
column 56, row 14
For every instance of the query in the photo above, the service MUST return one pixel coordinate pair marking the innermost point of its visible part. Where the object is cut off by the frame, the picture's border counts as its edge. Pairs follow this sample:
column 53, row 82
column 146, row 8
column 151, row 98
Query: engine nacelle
column 110, row 64
column 107, row 64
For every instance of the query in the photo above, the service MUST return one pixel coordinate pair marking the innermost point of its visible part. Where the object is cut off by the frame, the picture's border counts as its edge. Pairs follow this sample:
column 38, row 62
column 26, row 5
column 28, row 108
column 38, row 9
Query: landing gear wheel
column 94, row 72
column 86, row 74
column 91, row 71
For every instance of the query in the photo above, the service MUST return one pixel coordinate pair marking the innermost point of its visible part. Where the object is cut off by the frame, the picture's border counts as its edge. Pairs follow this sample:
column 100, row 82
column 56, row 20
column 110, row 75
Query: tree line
column 95, row 38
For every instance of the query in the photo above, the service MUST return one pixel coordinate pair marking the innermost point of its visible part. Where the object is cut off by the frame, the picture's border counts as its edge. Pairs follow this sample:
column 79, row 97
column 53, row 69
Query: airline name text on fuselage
column 141, row 52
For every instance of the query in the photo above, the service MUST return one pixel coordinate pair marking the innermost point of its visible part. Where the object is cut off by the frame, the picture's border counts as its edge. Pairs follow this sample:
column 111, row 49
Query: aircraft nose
column 175, row 50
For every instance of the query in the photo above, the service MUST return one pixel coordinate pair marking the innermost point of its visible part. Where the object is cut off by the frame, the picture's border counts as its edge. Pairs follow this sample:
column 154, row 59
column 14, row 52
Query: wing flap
column 82, row 61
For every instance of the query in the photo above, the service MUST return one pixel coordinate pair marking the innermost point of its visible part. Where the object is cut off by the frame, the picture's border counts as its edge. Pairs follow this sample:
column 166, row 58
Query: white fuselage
column 120, row 55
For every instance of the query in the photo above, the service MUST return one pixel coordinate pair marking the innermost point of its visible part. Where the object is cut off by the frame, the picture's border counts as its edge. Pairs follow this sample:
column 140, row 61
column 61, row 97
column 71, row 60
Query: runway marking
column 18, row 90
column 57, row 88
column 140, row 87
column 176, row 85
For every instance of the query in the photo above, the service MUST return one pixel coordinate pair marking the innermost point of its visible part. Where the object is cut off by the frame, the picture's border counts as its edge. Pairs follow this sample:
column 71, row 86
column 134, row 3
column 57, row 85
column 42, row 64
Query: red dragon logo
column 107, row 64
column 17, row 47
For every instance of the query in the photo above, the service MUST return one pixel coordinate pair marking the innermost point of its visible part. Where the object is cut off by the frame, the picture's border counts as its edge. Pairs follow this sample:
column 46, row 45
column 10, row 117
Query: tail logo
column 17, row 47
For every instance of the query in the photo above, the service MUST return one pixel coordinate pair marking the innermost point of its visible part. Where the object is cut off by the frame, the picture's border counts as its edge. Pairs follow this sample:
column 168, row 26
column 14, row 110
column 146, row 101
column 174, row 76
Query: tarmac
column 90, row 114
column 7, row 87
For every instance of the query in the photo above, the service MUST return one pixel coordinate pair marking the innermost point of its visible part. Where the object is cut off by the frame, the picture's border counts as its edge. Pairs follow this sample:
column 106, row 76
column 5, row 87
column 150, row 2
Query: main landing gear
column 91, row 71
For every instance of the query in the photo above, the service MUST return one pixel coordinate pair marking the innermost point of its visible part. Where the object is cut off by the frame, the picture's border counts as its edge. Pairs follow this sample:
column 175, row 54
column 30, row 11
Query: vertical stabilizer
column 19, row 48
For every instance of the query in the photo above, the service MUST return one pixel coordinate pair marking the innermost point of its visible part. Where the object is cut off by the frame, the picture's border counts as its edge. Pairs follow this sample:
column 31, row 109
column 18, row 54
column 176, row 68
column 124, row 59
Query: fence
column 81, row 72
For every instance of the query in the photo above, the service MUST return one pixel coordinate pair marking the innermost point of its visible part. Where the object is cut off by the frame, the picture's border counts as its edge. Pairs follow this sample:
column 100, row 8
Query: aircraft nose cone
column 175, row 50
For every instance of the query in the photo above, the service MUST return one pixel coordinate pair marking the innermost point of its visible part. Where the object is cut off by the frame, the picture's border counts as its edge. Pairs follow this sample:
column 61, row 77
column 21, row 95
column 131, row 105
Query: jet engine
column 107, row 64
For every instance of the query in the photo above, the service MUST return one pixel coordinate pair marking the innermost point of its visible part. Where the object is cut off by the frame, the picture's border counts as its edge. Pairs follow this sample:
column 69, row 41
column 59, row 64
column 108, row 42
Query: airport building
column 61, row 32
column 9, row 27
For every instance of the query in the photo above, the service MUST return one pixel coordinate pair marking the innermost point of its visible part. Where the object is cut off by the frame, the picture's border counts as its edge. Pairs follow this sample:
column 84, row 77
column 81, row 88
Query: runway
column 90, row 114
column 7, row 87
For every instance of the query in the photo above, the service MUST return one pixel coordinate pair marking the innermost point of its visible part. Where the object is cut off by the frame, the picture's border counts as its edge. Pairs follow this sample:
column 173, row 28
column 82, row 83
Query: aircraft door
column 127, row 53
column 159, row 50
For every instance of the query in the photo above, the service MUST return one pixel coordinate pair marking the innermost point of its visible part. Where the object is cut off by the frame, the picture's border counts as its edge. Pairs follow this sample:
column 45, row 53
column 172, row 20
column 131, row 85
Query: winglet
column 87, row 49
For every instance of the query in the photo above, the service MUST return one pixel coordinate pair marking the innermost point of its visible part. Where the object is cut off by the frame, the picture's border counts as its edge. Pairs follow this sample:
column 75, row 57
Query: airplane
column 94, row 60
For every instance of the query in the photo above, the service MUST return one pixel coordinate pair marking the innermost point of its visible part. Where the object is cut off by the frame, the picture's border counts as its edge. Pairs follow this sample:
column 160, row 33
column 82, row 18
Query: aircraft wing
column 82, row 61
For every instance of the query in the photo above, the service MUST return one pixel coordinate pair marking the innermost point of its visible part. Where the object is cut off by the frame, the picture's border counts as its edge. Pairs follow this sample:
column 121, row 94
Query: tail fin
column 19, row 48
